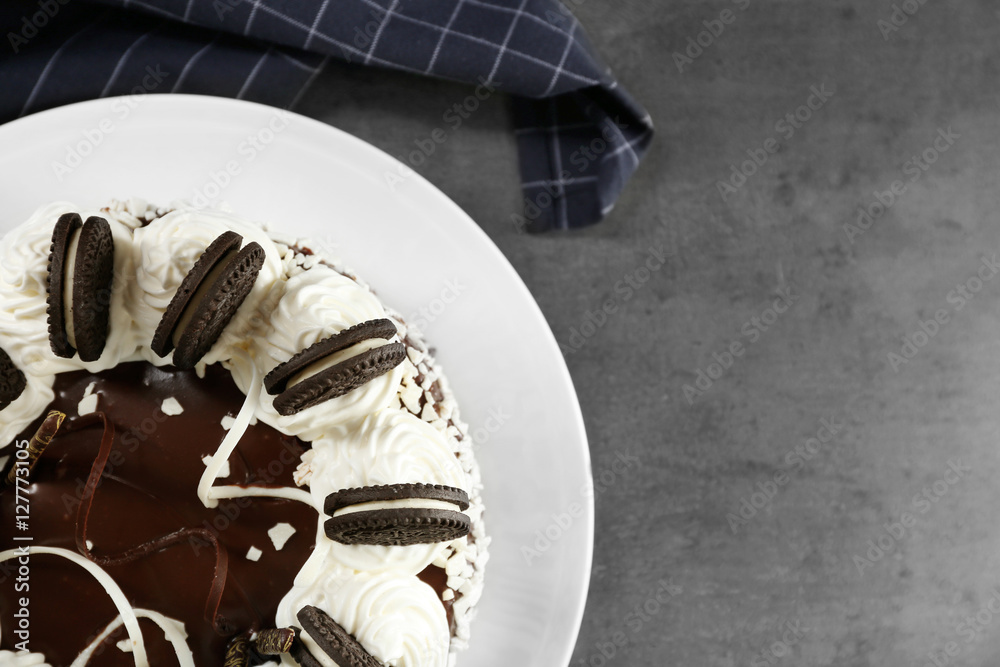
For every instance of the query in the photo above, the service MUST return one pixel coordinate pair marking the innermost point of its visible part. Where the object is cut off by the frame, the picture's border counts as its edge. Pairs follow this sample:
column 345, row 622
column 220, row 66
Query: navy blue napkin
column 580, row 135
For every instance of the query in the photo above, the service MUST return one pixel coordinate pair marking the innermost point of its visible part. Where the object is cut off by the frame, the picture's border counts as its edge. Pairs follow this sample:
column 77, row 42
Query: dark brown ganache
column 125, row 480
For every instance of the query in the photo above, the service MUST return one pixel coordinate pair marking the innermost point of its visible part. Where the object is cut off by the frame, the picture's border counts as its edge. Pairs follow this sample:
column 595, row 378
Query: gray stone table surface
column 811, row 392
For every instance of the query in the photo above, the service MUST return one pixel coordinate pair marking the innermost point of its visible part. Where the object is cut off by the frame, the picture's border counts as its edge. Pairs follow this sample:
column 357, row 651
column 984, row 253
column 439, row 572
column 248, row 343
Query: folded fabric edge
column 576, row 153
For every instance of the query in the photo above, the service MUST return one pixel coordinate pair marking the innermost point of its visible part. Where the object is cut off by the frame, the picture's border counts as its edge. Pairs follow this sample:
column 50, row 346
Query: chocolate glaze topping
column 125, row 479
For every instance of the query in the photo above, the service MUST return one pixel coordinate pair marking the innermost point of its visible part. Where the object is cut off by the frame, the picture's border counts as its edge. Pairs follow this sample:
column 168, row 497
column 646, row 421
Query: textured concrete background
column 876, row 542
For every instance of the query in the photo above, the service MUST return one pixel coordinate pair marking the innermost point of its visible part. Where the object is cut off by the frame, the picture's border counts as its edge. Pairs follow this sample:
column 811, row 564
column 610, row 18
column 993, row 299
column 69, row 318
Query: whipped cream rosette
column 183, row 512
column 312, row 305
column 24, row 262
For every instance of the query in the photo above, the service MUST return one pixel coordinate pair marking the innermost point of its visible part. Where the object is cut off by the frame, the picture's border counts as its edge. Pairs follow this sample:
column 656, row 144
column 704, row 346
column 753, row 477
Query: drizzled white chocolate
column 372, row 435
column 125, row 609
column 173, row 631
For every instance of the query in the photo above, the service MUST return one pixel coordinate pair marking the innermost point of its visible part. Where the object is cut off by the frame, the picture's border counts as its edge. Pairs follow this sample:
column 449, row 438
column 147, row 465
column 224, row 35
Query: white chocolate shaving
column 172, row 407
column 88, row 403
column 280, row 534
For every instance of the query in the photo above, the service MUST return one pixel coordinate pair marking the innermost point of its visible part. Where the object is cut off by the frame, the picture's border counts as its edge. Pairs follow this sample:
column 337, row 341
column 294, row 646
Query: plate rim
column 188, row 104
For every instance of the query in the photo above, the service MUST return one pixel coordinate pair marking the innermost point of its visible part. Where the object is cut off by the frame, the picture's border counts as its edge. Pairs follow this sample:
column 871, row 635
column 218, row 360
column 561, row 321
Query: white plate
column 408, row 240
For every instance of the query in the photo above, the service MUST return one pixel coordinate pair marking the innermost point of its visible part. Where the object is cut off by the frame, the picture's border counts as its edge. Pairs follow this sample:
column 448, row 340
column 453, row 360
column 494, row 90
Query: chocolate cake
column 254, row 443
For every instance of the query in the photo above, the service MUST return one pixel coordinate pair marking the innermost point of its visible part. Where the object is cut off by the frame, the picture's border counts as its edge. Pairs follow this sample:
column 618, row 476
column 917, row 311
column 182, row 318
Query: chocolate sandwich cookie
column 207, row 299
column 80, row 277
column 63, row 231
column 12, row 381
column 217, row 250
column 339, row 644
column 397, row 514
column 326, row 375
